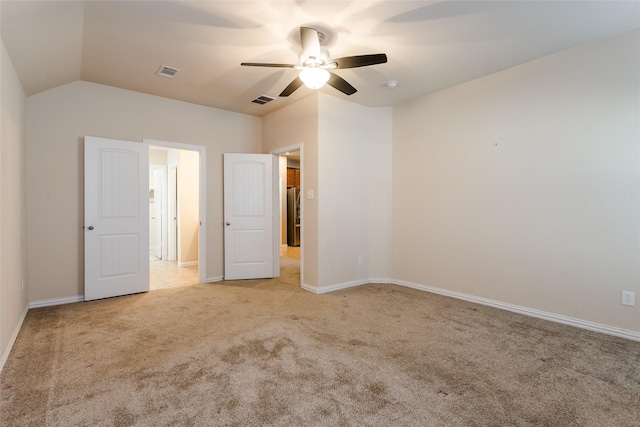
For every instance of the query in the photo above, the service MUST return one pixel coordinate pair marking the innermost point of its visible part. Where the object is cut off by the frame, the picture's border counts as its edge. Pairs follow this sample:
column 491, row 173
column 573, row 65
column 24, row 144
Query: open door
column 248, row 215
column 116, row 215
column 172, row 205
column 157, row 214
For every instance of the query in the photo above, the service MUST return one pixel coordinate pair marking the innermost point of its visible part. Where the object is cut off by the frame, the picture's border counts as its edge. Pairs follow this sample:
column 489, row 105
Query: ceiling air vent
column 166, row 71
column 262, row 99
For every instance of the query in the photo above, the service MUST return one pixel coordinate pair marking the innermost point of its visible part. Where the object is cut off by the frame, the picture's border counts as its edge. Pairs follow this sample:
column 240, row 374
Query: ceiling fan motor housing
column 307, row 59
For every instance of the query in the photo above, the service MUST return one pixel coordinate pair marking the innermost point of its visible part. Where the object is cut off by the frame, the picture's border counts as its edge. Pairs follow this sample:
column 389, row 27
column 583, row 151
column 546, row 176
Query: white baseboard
column 187, row 263
column 336, row 287
column 571, row 321
column 552, row 317
column 55, row 301
column 16, row 331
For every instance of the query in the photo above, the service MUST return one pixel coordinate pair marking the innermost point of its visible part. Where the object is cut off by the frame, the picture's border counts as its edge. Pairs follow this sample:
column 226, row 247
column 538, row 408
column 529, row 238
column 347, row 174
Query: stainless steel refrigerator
column 293, row 216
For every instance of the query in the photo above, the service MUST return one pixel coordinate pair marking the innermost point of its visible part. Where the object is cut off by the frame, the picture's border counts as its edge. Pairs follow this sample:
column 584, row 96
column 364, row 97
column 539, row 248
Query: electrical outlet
column 629, row 298
column 360, row 260
column 22, row 285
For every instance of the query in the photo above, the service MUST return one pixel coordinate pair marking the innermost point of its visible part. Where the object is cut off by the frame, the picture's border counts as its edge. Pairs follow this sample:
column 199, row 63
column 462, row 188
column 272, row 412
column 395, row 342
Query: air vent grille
column 166, row 71
column 262, row 99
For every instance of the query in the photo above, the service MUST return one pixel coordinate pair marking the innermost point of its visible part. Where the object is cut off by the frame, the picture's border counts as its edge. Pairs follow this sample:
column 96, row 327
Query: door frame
column 278, row 151
column 202, row 201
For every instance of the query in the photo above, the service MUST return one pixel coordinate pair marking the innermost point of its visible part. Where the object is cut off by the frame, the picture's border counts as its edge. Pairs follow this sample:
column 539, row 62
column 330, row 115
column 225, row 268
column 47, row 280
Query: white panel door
column 156, row 216
column 248, row 215
column 172, row 234
column 116, row 215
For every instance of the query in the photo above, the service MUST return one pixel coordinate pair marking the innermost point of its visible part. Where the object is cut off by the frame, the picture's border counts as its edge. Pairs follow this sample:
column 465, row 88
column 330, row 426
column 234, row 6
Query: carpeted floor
column 265, row 352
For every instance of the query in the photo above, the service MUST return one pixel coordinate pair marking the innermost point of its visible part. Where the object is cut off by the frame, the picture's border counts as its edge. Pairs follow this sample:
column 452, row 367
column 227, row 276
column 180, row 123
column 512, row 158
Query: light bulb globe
column 314, row 78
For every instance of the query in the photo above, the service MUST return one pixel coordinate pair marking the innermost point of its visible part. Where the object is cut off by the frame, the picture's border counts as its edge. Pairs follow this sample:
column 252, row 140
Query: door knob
column 90, row 227
column 228, row 223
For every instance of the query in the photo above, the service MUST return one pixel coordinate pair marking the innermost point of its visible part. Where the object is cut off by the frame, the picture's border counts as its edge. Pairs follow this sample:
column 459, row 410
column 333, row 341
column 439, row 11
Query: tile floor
column 290, row 251
column 167, row 274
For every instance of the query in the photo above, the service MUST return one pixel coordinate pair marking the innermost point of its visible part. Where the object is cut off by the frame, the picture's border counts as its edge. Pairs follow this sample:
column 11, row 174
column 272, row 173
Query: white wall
column 57, row 121
column 347, row 164
column 13, row 266
column 157, row 156
column 295, row 124
column 524, row 187
column 354, row 191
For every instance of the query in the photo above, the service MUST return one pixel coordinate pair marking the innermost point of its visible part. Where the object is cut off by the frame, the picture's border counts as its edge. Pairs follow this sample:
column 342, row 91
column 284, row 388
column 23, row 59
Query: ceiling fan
column 315, row 63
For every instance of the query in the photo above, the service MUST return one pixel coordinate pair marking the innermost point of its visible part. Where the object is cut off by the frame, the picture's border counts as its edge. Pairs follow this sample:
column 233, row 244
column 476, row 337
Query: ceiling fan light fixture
column 314, row 62
column 314, row 78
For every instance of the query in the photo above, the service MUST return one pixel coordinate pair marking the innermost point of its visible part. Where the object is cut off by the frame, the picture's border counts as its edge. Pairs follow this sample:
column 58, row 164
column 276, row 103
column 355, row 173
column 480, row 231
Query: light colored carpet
column 265, row 352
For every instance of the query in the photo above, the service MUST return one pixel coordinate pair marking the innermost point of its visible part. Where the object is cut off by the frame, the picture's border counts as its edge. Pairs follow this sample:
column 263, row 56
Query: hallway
column 167, row 274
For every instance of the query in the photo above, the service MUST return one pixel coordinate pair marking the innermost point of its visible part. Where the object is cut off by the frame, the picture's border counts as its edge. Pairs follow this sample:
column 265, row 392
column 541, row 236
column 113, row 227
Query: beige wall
column 347, row 164
column 13, row 266
column 354, row 191
column 188, row 169
column 157, row 156
column 57, row 121
column 523, row 187
column 295, row 124
column 188, row 188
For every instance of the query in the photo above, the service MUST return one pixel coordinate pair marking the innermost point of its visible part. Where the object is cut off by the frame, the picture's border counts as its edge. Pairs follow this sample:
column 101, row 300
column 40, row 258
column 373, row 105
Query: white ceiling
column 430, row 45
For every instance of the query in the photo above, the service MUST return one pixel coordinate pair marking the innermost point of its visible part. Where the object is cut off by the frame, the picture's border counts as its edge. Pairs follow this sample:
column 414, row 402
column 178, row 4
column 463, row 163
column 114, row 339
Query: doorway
column 291, row 214
column 176, row 206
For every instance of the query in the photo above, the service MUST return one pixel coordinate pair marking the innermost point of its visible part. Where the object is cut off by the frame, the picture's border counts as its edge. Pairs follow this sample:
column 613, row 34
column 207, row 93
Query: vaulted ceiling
column 430, row 45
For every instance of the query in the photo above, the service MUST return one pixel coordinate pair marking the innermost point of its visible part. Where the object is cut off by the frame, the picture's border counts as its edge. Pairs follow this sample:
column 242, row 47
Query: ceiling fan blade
column 360, row 60
column 310, row 42
column 341, row 84
column 295, row 84
column 262, row 64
